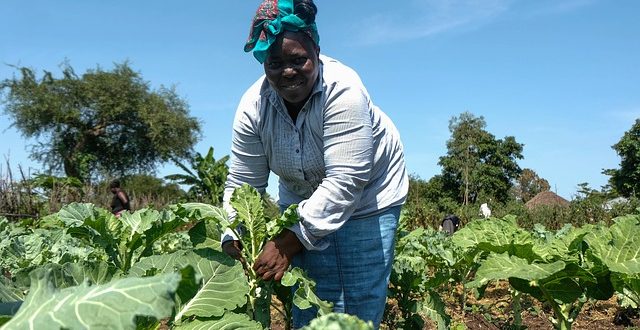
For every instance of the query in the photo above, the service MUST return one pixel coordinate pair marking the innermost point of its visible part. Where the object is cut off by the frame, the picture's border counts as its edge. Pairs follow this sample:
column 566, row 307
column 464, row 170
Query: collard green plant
column 338, row 321
column 221, row 284
column 226, row 289
column 120, row 268
column 116, row 304
column 424, row 261
column 125, row 239
column 617, row 249
column 551, row 267
column 254, row 230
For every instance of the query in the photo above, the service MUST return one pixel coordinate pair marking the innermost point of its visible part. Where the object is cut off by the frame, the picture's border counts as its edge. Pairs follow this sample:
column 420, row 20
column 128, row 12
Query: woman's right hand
column 233, row 248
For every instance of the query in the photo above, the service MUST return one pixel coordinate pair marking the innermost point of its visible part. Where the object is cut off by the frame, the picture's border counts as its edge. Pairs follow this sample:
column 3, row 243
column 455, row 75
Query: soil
column 494, row 312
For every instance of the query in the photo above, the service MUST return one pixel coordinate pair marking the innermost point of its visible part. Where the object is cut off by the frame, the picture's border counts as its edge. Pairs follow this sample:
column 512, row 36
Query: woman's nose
column 288, row 72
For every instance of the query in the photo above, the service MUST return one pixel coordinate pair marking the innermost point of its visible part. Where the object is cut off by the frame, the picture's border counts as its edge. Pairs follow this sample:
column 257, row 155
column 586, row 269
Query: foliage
column 424, row 261
column 552, row 267
column 207, row 178
column 145, row 186
column 83, row 253
column 338, row 321
column 482, row 166
column 626, row 179
column 220, row 287
column 87, row 307
column 428, row 202
column 529, row 184
column 250, row 217
column 126, row 239
column 24, row 249
column 101, row 123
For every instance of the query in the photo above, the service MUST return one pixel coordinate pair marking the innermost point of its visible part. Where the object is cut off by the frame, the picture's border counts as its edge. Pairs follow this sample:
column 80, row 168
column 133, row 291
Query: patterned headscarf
column 273, row 17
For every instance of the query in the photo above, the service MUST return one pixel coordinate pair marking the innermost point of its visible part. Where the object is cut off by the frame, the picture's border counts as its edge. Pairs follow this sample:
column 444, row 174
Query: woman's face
column 292, row 67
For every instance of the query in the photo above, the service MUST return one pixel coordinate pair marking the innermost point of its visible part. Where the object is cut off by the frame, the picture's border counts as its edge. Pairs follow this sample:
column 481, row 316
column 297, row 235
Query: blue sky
column 561, row 76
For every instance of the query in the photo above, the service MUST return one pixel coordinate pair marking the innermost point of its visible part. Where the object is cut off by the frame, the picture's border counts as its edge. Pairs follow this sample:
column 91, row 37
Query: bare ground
column 494, row 312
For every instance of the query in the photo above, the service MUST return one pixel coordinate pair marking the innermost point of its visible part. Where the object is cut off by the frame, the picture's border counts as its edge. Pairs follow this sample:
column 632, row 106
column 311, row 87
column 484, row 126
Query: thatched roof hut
column 546, row 198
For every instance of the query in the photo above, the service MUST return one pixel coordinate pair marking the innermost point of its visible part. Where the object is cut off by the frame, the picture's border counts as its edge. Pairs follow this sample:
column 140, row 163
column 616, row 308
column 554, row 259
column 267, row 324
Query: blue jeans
column 353, row 272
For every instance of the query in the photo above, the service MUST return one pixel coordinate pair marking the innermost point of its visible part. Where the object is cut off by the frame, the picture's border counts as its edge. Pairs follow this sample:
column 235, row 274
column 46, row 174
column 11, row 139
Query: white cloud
column 561, row 7
column 420, row 19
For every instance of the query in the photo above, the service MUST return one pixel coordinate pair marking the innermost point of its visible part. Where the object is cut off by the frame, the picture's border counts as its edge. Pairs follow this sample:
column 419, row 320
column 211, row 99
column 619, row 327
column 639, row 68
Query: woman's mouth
column 292, row 85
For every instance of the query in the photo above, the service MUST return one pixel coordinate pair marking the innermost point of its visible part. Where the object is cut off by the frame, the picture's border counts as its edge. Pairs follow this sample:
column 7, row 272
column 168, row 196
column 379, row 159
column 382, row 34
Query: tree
column 529, row 184
column 145, row 187
column 99, row 124
column 481, row 165
column 207, row 178
column 626, row 179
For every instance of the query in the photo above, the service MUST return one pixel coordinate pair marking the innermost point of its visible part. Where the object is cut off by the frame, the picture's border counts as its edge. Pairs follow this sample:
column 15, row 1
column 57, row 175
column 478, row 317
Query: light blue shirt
column 341, row 159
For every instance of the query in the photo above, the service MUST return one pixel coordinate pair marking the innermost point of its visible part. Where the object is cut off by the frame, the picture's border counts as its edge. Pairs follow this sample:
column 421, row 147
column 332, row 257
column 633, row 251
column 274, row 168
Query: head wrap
column 273, row 17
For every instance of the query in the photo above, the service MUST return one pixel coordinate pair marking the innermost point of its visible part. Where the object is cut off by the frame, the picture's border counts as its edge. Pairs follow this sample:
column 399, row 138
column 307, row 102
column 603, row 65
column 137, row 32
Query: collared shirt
column 341, row 159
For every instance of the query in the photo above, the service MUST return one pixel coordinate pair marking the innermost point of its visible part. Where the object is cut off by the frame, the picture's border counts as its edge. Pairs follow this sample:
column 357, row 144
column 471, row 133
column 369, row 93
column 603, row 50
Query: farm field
column 491, row 274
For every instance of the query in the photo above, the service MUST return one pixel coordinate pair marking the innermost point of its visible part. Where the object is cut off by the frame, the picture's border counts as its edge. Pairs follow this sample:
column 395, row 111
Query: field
column 491, row 274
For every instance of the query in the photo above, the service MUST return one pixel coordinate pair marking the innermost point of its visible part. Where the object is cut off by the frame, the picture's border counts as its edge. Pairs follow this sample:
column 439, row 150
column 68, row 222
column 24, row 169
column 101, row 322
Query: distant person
column 450, row 224
column 120, row 201
column 485, row 211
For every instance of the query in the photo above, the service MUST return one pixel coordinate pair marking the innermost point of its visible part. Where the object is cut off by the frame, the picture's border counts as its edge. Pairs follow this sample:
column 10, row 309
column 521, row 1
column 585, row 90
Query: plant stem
column 517, row 309
column 561, row 320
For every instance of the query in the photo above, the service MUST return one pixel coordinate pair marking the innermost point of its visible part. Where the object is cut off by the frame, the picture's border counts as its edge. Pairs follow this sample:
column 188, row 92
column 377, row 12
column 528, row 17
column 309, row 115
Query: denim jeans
column 353, row 272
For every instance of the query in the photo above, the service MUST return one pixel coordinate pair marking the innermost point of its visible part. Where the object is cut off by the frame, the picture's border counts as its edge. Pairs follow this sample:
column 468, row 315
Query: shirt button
column 297, row 150
column 299, row 170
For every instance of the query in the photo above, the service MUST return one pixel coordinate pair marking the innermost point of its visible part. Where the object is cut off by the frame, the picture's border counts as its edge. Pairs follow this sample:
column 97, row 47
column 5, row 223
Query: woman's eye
column 300, row 60
column 274, row 65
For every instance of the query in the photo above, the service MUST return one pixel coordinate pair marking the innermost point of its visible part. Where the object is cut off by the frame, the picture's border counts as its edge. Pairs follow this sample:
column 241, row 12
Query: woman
column 310, row 120
column 120, row 201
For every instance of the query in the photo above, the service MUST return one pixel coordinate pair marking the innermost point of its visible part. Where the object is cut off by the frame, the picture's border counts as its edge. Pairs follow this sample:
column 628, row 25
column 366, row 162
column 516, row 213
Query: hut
column 546, row 198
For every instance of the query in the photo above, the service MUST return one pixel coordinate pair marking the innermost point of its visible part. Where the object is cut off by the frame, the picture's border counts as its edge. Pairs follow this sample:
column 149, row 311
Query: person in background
column 450, row 224
column 310, row 120
column 120, row 201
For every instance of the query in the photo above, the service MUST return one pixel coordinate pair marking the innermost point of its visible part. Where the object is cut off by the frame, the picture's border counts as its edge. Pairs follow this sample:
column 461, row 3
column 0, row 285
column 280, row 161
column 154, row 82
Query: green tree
column 481, row 165
column 206, row 177
column 152, row 189
column 428, row 201
column 626, row 179
column 99, row 124
column 529, row 184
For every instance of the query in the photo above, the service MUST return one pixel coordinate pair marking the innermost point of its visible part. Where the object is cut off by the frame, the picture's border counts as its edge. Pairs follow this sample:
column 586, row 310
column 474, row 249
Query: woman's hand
column 276, row 256
column 233, row 248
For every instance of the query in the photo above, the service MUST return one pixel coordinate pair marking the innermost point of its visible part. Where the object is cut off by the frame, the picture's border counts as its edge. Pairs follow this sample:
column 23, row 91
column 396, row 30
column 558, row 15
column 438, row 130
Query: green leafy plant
column 338, row 321
column 87, row 306
column 616, row 248
column 554, row 268
column 256, row 231
column 206, row 178
column 424, row 259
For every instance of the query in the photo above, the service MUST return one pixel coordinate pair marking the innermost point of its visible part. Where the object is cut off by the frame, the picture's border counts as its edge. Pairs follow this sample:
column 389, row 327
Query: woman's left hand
column 276, row 256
